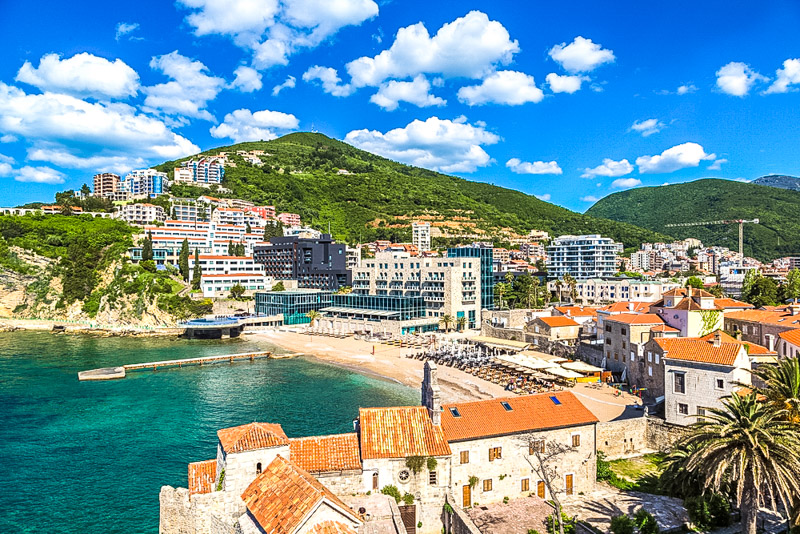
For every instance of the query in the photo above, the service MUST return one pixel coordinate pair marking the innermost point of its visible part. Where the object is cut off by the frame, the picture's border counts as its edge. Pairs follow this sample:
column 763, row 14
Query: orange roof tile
column 683, row 292
column 202, row 476
column 317, row 454
column 692, row 305
column 486, row 418
column 663, row 328
column 636, row 318
column 619, row 307
column 251, row 437
column 699, row 350
column 558, row 321
column 791, row 336
column 732, row 303
column 751, row 348
column 400, row 432
column 331, row 527
column 577, row 311
column 781, row 317
column 283, row 496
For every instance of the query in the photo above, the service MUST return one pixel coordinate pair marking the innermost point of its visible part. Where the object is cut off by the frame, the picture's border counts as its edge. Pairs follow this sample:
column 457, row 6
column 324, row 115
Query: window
column 576, row 440
column 375, row 481
column 680, row 383
column 455, row 412
column 720, row 383
column 683, row 409
column 432, row 478
column 700, row 413
column 535, row 446
column 487, row 484
column 495, row 453
column 649, row 371
column 657, row 357
column 258, row 468
column 608, row 341
column 649, row 356
column 506, row 405
column 464, row 457
column 525, row 484
column 608, row 328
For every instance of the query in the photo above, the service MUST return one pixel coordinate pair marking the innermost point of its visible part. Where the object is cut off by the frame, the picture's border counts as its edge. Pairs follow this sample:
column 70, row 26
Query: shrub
column 432, row 463
column 415, row 463
column 708, row 511
column 392, row 491
column 622, row 524
column 646, row 522
column 568, row 522
column 408, row 499
column 149, row 266
column 604, row 471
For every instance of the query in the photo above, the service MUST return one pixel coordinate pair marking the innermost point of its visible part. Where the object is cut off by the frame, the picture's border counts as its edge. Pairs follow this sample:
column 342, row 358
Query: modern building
column 314, row 263
column 106, row 184
column 230, row 216
column 145, row 183
column 397, row 315
column 141, row 214
column 582, row 256
column 207, row 170
column 220, row 285
column 289, row 219
column 353, row 257
column 616, row 289
column 220, row 264
column 292, row 304
column 484, row 254
column 189, row 209
column 421, row 235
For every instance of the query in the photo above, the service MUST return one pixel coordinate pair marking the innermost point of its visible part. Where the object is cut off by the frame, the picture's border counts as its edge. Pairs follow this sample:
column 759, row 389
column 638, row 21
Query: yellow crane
column 740, row 222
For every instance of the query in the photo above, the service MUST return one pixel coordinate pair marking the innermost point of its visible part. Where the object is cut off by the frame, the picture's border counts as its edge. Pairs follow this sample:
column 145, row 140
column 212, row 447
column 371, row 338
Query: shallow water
column 90, row 457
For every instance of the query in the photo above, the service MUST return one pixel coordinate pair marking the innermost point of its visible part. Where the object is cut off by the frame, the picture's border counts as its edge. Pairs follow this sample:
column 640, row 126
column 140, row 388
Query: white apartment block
column 141, row 214
column 421, row 235
column 145, row 183
column 205, row 171
column 230, row 216
column 220, row 264
column 582, row 256
column 220, row 285
column 450, row 286
column 353, row 257
column 608, row 290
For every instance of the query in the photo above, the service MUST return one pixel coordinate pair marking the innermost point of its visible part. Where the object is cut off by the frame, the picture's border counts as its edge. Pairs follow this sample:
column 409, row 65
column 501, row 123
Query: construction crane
column 740, row 222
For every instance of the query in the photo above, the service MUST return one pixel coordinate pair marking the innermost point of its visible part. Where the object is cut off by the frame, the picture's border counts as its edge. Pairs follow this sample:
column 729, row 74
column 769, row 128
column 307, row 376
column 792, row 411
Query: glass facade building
column 392, row 307
column 293, row 304
column 486, row 256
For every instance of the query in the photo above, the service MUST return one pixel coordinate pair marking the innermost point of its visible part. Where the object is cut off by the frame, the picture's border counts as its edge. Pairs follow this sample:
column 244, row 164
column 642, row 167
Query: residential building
column 421, row 235
column 582, row 256
column 763, row 326
column 616, row 289
column 692, row 311
column 301, row 232
column 289, row 219
column 314, row 263
column 221, row 264
column 485, row 255
column 106, row 184
column 353, row 257
column 189, row 209
column 293, row 304
column 141, row 214
column 265, row 212
column 551, row 329
column 204, row 171
column 145, row 183
column 789, row 344
column 220, row 285
column 624, row 337
column 232, row 216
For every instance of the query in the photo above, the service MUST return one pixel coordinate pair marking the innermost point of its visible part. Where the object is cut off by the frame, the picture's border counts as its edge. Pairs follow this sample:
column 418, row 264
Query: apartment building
column 204, row 171
column 617, row 289
column 189, row 209
column 145, row 183
column 315, row 263
column 289, row 219
column 141, row 214
column 582, row 256
column 220, row 285
column 231, row 216
column 421, row 235
column 106, row 184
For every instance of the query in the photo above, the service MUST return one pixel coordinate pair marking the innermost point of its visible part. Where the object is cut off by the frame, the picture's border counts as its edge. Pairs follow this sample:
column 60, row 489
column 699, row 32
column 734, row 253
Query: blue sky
column 569, row 101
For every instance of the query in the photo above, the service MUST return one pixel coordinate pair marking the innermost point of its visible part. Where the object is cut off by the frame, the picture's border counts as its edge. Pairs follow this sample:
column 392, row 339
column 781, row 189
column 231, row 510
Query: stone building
column 764, row 326
column 624, row 336
column 555, row 328
column 692, row 311
column 789, row 344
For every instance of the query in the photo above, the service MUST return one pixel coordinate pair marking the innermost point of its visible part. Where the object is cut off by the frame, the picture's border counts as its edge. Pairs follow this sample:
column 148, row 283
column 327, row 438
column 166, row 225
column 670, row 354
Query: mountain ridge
column 781, row 181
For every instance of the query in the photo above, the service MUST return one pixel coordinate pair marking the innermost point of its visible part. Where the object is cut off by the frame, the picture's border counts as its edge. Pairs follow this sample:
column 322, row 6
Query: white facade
column 220, row 285
column 421, row 235
column 141, row 214
column 145, row 183
column 604, row 291
column 582, row 256
column 208, row 170
column 230, row 216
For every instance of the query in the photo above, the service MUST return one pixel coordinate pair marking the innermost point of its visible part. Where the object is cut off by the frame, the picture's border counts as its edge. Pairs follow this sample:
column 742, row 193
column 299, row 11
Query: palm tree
column 500, row 289
column 751, row 443
column 461, row 322
column 559, row 285
column 571, row 283
column 447, row 321
column 783, row 386
column 314, row 315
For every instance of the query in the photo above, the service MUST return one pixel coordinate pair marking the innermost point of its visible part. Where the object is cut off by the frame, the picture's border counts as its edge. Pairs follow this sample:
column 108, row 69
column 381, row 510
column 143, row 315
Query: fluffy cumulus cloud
column 507, row 87
column 686, row 89
column 625, row 182
column 190, row 90
column 39, row 175
column 63, row 158
column 737, row 78
column 417, row 92
column 673, row 159
column 288, row 84
column 647, row 127
column 329, row 79
column 5, row 165
column 471, row 46
column 581, row 55
column 66, row 129
column 247, row 79
column 565, row 84
column 81, row 75
column 785, row 77
column 245, row 125
column 717, row 165
column 545, row 196
column 273, row 30
column 609, row 168
column 535, row 167
column 438, row 144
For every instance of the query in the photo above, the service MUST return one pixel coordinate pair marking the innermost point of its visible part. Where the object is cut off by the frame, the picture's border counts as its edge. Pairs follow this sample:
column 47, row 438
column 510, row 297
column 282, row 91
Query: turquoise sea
column 90, row 457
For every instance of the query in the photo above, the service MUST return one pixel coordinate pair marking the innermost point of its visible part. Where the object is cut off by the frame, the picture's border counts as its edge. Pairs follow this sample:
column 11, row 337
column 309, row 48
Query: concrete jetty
column 112, row 373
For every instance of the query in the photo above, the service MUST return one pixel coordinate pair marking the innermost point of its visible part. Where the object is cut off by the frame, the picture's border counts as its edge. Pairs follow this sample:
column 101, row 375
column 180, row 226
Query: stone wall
column 540, row 342
column 662, row 436
column 344, row 482
column 458, row 522
column 623, row 438
column 592, row 354
column 210, row 513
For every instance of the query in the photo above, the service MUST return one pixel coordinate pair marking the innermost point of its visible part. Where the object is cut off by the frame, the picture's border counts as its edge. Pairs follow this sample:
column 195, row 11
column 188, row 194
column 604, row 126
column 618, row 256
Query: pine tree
column 247, row 228
column 147, row 247
column 273, row 230
column 231, row 251
column 198, row 271
column 183, row 260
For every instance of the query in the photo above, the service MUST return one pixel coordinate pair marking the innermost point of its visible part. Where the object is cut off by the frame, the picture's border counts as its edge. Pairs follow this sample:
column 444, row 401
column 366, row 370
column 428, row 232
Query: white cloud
column 673, row 159
column 7, row 139
column 788, row 75
column 84, row 129
column 247, row 79
column 737, row 79
column 609, row 168
column 288, row 84
column 39, row 175
column 504, row 87
column 581, row 55
column 245, row 125
column 81, row 75
column 647, row 127
column 63, row 158
column 565, row 84
column 5, row 165
column 471, row 46
column 545, row 197
column 126, row 28
column 190, row 90
column 589, row 198
column 717, row 165
column 417, row 92
column 536, row 167
column 329, row 79
column 275, row 29
column 686, row 89
column 438, row 144
column 626, row 182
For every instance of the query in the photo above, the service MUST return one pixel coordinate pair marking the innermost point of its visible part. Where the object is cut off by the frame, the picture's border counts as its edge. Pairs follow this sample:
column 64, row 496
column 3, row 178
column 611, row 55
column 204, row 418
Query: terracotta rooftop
column 282, row 497
column 699, row 350
column 202, row 476
column 326, row 453
column 732, row 303
column 781, row 317
column 791, row 336
column 663, row 328
column 691, row 304
column 577, row 311
column 751, row 348
column 621, row 307
column 400, row 432
column 687, row 292
column 636, row 318
column 558, row 321
column 331, row 527
column 251, row 437
column 528, row 413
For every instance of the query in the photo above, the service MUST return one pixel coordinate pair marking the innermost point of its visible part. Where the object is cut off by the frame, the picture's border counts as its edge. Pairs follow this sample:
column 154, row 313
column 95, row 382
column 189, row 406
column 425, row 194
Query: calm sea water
column 90, row 457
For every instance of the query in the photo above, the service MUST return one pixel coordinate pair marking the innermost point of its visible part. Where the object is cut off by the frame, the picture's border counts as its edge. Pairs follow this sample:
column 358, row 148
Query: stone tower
column 431, row 395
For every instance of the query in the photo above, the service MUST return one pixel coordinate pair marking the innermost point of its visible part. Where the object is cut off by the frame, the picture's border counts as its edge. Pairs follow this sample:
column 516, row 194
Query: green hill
column 376, row 198
column 777, row 235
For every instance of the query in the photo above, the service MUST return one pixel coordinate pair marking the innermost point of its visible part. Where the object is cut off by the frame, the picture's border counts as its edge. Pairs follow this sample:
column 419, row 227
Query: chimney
column 738, row 335
column 770, row 342
column 794, row 307
column 630, row 306
column 431, row 397
column 717, row 339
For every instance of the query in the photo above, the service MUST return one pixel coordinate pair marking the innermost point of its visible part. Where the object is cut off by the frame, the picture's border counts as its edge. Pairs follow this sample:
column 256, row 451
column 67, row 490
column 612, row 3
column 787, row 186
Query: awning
column 581, row 367
column 500, row 343
column 563, row 373
column 527, row 363
column 543, row 356
column 361, row 311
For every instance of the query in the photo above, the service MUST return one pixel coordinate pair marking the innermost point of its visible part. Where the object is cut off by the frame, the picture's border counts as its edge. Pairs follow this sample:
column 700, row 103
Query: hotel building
column 582, row 256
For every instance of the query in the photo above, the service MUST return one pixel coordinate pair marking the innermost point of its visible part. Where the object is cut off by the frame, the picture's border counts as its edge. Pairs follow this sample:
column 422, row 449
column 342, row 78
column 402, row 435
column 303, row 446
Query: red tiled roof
column 781, row 317
column 400, row 432
column 691, row 304
column 251, row 437
column 751, row 348
column 791, row 336
column 577, row 311
column 732, row 303
column 683, row 292
column 694, row 349
column 558, row 321
column 663, row 328
column 331, row 527
column 635, row 318
column 202, row 476
column 326, row 453
column 619, row 307
column 281, row 498
column 531, row 412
